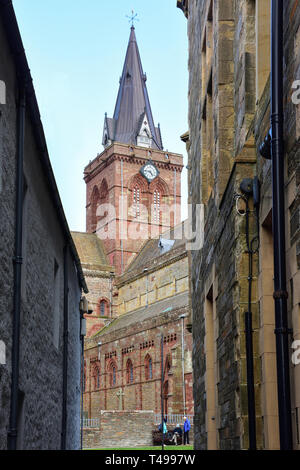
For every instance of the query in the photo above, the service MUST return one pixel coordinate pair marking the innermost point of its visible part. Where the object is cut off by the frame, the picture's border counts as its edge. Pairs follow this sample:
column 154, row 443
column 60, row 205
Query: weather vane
column 132, row 18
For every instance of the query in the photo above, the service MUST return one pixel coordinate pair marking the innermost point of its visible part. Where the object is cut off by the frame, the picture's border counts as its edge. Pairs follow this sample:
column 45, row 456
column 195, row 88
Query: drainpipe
column 82, row 385
column 182, row 361
column 280, row 290
column 162, row 388
column 13, row 420
column 250, row 188
column 175, row 197
column 147, row 286
column 122, row 216
column 111, row 294
column 65, row 351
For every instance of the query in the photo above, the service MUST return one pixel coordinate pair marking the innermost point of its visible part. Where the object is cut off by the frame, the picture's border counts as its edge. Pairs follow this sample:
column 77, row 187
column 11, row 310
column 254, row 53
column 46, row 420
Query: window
column 97, row 377
column 148, row 368
column 95, row 201
column 136, row 202
column 156, row 208
column 112, row 374
column 129, row 372
column 102, row 308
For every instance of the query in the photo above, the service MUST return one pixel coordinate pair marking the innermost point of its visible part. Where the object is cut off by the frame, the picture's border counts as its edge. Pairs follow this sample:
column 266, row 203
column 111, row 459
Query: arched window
column 136, row 202
column 148, row 368
column 103, row 308
column 129, row 372
column 95, row 201
column 104, row 191
column 112, row 374
column 103, row 198
column 97, row 377
column 156, row 206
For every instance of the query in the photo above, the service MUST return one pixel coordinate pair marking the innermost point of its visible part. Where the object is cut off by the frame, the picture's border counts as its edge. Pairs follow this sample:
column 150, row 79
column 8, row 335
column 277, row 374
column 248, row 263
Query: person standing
column 186, row 430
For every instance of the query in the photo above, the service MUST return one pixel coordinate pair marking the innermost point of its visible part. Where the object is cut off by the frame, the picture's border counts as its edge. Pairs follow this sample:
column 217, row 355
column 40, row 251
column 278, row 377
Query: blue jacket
column 187, row 425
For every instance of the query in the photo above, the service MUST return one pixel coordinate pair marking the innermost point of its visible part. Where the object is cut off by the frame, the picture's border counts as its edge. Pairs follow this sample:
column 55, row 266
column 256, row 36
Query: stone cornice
column 122, row 152
column 97, row 271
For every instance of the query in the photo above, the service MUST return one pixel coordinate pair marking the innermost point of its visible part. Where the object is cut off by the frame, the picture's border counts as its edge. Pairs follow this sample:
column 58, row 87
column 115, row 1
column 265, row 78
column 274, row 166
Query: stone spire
column 133, row 121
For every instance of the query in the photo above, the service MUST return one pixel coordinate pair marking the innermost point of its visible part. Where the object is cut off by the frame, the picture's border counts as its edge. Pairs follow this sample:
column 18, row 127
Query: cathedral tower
column 133, row 186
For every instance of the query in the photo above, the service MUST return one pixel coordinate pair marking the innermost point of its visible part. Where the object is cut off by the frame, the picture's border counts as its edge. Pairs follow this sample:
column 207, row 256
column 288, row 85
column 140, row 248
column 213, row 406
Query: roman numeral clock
column 149, row 171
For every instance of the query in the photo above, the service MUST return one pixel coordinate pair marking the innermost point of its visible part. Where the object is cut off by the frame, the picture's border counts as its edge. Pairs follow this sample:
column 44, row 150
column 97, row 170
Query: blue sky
column 76, row 50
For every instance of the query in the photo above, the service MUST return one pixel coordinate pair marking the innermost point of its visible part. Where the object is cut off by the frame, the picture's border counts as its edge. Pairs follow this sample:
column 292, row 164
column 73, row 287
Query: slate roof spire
column 133, row 121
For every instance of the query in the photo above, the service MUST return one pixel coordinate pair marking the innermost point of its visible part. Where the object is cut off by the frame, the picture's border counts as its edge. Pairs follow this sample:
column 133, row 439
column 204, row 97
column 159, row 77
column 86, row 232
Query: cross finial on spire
column 132, row 18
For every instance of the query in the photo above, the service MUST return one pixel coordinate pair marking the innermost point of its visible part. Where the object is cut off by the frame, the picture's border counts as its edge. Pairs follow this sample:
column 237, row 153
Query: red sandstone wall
column 142, row 394
column 99, row 170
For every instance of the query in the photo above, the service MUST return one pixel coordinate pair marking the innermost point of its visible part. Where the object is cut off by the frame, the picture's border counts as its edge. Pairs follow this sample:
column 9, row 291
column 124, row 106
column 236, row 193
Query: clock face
column 150, row 172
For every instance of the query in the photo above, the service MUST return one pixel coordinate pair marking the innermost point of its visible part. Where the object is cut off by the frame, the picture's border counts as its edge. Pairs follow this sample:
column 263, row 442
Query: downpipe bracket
column 280, row 294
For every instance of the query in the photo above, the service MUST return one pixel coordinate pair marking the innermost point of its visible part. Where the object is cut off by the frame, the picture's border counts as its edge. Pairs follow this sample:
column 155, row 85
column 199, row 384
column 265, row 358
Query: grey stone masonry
column 44, row 238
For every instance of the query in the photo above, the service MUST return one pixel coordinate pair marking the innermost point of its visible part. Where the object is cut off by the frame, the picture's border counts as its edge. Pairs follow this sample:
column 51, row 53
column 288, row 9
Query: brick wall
column 135, row 343
column 108, row 167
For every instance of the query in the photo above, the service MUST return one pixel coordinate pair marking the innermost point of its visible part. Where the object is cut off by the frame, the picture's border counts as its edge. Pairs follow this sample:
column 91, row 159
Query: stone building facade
column 135, row 261
column 123, row 363
column 49, row 265
column 229, row 117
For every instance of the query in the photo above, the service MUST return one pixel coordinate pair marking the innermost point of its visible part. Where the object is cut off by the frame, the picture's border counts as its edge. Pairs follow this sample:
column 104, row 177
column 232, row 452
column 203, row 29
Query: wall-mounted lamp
column 265, row 147
column 85, row 307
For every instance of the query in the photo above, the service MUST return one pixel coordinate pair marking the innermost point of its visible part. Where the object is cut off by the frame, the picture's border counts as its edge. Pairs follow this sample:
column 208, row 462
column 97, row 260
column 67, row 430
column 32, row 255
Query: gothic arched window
column 103, row 308
column 95, row 201
column 129, row 372
column 112, row 374
column 156, row 206
column 136, row 202
column 148, row 368
column 97, row 377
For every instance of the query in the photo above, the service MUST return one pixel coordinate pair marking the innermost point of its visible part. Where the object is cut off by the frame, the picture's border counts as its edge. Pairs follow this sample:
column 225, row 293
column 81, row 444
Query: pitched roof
column 158, row 309
column 132, row 101
column 151, row 253
column 91, row 250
